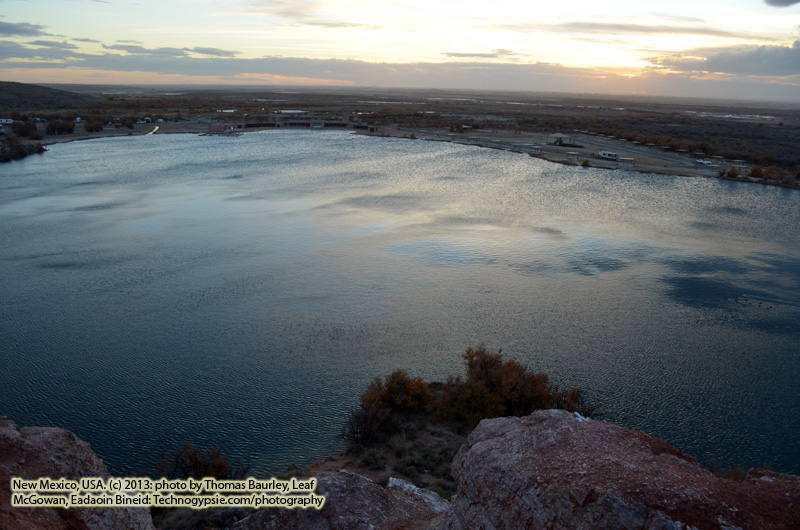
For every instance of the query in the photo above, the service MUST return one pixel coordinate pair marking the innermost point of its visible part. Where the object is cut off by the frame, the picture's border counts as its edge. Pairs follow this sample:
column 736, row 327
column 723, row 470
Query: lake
column 244, row 291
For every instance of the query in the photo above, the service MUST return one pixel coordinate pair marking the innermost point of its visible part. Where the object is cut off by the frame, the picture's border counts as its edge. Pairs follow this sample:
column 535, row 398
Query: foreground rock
column 34, row 452
column 355, row 502
column 554, row 469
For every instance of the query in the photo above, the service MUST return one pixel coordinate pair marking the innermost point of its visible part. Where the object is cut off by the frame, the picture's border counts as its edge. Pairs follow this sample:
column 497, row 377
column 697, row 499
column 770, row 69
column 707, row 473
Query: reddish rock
column 554, row 469
column 35, row 452
column 354, row 502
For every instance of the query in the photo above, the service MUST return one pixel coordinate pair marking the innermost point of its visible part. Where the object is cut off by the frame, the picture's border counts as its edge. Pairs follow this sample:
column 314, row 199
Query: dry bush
column 367, row 425
column 398, row 393
column 189, row 461
column 572, row 401
column 60, row 127
column 496, row 387
column 94, row 125
column 493, row 387
column 373, row 421
column 467, row 403
column 520, row 391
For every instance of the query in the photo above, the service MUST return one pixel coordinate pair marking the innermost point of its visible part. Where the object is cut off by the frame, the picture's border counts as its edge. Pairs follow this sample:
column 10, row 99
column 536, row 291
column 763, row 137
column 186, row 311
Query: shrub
column 60, row 127
column 366, row 425
column 756, row 172
column 519, row 391
column 572, row 401
column 25, row 129
column 189, row 461
column 496, row 387
column 467, row 403
column 95, row 125
column 373, row 459
column 398, row 393
column 493, row 387
column 372, row 422
column 12, row 149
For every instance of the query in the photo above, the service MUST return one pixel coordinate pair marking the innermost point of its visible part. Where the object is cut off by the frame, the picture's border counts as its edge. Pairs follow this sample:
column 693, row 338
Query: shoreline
column 682, row 168
column 658, row 163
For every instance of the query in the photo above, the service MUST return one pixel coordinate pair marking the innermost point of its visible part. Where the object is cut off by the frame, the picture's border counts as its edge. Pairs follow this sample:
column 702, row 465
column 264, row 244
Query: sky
column 731, row 49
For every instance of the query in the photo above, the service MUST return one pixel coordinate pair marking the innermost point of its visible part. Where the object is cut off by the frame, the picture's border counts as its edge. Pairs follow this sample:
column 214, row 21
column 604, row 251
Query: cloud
column 475, row 55
column 154, row 65
column 53, row 44
column 15, row 51
column 292, row 10
column 302, row 12
column 781, row 3
column 135, row 49
column 214, row 52
column 641, row 29
column 680, row 18
column 86, row 40
column 334, row 24
column 22, row 29
column 776, row 61
column 495, row 54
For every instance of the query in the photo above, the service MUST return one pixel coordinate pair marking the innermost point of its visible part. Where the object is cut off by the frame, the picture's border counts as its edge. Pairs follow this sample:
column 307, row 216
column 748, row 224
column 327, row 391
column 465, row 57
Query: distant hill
column 22, row 96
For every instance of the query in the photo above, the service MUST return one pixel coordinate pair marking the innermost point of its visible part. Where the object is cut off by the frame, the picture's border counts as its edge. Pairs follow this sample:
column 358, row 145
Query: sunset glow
column 620, row 46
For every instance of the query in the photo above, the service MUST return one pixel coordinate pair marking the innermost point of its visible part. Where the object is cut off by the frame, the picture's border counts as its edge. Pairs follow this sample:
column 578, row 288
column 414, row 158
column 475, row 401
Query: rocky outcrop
column 34, row 452
column 554, row 469
column 355, row 502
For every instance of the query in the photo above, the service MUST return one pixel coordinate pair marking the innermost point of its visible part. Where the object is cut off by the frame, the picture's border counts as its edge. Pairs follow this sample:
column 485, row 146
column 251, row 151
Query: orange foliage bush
column 398, row 393
column 494, row 387
column 520, row 391
column 373, row 422
column 467, row 402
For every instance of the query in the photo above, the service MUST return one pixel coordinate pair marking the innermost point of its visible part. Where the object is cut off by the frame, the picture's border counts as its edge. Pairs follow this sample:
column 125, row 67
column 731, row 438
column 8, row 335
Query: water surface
column 244, row 291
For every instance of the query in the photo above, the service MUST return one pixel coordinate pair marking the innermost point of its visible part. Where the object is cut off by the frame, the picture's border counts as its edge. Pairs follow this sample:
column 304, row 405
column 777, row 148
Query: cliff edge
column 553, row 469
column 35, row 452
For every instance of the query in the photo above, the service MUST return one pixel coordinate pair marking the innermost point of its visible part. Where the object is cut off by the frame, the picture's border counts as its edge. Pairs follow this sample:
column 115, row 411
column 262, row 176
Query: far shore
column 583, row 150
